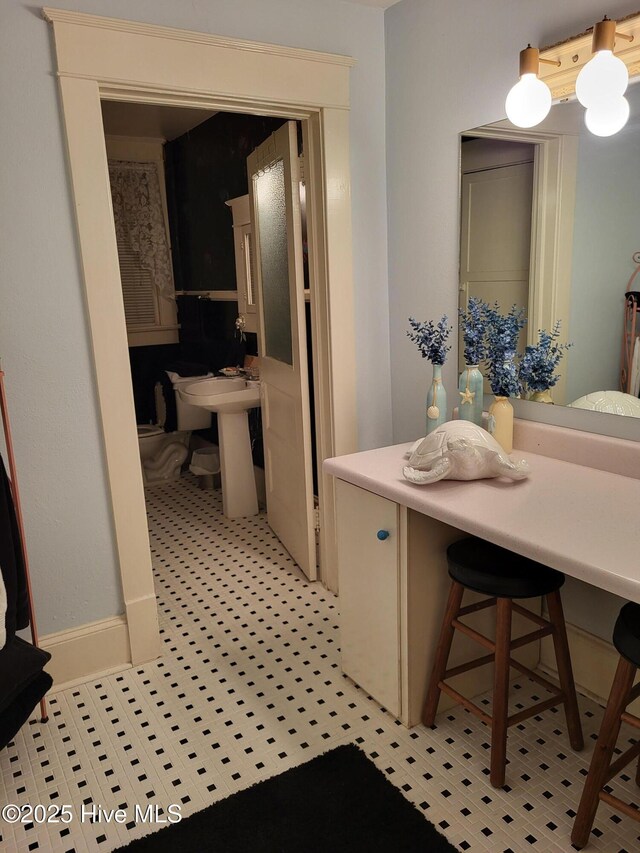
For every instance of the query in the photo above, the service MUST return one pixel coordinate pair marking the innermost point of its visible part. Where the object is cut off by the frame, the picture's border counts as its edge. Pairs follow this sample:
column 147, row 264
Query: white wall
column 43, row 329
column 450, row 64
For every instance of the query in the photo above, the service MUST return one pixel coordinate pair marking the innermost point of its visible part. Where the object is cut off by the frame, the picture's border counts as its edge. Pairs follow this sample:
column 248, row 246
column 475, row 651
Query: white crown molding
column 54, row 16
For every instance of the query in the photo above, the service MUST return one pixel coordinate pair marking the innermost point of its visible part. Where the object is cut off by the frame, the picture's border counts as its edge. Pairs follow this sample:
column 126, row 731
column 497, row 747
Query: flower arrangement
column 473, row 323
column 502, row 331
column 537, row 368
column 431, row 338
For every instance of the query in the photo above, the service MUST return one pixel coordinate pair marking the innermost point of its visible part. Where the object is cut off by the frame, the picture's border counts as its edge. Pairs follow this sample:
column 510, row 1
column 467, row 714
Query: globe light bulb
column 607, row 117
column 604, row 77
column 528, row 102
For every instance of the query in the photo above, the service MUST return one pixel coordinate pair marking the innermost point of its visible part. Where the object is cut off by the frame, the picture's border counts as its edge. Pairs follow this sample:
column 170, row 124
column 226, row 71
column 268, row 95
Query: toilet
column 162, row 454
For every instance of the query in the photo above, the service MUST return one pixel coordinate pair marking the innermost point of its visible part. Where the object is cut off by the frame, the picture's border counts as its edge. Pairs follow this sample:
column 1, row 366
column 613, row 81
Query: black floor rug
column 337, row 802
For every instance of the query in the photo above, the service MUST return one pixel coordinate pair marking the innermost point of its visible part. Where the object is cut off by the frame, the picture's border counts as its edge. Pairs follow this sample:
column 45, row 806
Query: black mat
column 337, row 802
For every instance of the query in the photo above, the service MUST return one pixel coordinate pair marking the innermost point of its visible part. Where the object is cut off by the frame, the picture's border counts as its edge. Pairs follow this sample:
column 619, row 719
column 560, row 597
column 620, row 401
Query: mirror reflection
column 550, row 221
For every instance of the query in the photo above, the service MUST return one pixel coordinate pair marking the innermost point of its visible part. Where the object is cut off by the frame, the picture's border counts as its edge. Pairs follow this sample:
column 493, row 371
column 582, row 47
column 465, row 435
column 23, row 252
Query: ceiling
column 150, row 120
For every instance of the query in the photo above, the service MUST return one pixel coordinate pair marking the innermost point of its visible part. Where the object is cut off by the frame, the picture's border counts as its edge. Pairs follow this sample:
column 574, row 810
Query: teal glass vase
column 436, row 401
column 471, row 391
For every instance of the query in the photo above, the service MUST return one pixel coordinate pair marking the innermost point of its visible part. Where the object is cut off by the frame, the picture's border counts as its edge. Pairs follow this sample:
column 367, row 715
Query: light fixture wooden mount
column 574, row 53
column 530, row 61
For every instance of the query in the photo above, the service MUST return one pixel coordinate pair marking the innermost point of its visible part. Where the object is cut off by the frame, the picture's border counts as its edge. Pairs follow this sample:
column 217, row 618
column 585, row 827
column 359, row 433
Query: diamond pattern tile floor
column 249, row 685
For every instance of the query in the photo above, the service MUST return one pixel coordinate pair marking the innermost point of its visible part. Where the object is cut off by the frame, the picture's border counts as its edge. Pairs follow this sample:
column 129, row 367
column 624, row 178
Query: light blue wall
column 606, row 235
column 43, row 328
column 449, row 66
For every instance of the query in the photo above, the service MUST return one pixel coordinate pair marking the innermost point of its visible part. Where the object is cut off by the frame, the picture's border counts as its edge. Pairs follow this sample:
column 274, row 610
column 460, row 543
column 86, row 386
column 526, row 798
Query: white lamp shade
column 603, row 78
column 608, row 117
column 528, row 102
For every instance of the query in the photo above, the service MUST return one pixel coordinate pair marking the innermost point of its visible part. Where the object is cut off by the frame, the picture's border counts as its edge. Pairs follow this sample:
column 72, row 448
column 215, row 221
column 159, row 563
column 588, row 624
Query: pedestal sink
column 231, row 400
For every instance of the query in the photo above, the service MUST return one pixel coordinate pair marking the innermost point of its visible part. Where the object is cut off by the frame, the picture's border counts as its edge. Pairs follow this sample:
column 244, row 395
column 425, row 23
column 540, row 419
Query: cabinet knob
column 382, row 535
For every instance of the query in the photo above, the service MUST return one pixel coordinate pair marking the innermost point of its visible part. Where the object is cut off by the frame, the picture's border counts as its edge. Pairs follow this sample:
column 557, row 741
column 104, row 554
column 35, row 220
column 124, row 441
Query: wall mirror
column 550, row 220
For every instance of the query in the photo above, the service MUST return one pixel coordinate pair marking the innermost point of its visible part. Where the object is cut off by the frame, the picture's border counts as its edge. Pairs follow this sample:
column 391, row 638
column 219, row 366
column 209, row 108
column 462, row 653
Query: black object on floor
column 335, row 803
column 23, row 683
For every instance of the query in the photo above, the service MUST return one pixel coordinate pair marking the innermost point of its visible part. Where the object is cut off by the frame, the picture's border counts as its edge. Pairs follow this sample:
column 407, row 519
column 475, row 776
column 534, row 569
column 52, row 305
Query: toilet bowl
column 166, row 464
column 162, row 454
column 153, row 443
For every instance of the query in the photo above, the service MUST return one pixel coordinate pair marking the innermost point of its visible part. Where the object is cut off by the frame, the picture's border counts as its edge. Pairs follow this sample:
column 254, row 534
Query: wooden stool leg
column 565, row 672
column 638, row 772
column 500, row 713
column 442, row 652
column 601, row 759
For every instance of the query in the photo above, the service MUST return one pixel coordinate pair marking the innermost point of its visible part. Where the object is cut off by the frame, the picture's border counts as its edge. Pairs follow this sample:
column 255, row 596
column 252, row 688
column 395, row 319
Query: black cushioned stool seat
column 626, row 634
column 487, row 568
column 505, row 577
column 603, row 769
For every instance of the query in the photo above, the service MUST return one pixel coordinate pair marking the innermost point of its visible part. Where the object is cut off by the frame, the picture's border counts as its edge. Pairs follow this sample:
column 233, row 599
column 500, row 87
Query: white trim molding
column 104, row 58
column 173, row 61
column 79, row 654
column 139, row 28
column 594, row 663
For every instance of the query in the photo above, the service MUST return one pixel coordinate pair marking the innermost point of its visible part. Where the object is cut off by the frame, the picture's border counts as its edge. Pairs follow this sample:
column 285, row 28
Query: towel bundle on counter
column 22, row 679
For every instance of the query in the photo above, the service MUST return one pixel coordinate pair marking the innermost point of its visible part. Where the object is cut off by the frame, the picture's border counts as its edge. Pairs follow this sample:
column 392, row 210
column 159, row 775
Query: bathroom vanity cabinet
column 393, row 584
column 392, row 538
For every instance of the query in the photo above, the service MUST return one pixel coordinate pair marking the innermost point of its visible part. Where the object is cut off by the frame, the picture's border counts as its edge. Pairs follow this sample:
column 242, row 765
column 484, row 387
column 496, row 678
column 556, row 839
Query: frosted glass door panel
column 273, row 171
column 269, row 190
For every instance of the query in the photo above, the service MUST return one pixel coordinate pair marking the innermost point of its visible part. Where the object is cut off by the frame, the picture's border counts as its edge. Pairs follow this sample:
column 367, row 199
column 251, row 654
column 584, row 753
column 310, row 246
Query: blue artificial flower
column 473, row 324
column 502, row 333
column 537, row 369
column 431, row 338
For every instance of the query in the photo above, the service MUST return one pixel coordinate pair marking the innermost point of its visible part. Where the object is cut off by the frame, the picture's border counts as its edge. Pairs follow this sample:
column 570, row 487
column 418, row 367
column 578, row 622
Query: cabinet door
column 369, row 580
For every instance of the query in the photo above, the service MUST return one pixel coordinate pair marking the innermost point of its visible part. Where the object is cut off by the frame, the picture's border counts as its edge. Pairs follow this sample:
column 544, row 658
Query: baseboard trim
column 87, row 652
column 594, row 663
column 143, row 629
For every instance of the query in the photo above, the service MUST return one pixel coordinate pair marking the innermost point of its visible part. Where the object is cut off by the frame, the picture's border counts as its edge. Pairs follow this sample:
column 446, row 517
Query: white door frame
column 554, row 187
column 106, row 58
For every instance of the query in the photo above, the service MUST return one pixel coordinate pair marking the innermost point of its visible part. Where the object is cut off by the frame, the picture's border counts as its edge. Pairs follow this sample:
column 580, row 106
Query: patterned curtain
column 139, row 219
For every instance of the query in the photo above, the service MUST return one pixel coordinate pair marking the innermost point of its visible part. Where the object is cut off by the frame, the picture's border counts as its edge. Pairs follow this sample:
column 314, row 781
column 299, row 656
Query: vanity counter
column 581, row 521
column 392, row 540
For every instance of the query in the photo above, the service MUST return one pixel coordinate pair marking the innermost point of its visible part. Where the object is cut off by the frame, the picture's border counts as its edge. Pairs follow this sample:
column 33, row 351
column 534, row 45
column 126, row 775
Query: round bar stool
column 504, row 576
column 626, row 639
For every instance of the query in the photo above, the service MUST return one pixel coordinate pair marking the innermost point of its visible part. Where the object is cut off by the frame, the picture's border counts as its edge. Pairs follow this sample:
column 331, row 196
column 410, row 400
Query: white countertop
column 579, row 520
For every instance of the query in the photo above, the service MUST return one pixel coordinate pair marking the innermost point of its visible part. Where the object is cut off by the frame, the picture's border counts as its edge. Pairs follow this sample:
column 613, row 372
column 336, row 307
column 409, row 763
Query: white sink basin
column 231, row 399
column 222, row 395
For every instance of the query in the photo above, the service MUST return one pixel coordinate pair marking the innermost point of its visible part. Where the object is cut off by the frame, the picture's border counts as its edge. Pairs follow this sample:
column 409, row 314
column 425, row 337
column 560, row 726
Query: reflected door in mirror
column 495, row 235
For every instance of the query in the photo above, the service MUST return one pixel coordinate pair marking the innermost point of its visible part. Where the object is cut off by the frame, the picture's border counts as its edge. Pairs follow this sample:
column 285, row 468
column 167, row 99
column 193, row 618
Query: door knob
column 382, row 535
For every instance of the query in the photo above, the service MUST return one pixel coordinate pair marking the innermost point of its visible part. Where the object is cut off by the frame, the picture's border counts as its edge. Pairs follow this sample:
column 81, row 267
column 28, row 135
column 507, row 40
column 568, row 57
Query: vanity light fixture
column 602, row 82
column 529, row 101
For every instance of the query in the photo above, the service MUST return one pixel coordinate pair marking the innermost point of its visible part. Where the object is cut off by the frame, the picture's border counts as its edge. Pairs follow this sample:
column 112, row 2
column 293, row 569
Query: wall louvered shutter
column 140, row 300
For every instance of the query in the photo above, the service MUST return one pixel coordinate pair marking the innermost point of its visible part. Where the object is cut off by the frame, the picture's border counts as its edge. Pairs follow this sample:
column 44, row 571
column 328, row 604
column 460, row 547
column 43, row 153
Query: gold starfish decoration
column 466, row 396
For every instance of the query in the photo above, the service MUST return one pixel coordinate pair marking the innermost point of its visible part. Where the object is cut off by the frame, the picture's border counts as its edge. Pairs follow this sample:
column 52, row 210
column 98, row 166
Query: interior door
column 495, row 237
column 274, row 190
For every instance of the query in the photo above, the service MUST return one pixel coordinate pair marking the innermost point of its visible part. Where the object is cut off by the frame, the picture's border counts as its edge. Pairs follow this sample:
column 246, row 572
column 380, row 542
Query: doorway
column 138, row 63
column 191, row 263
